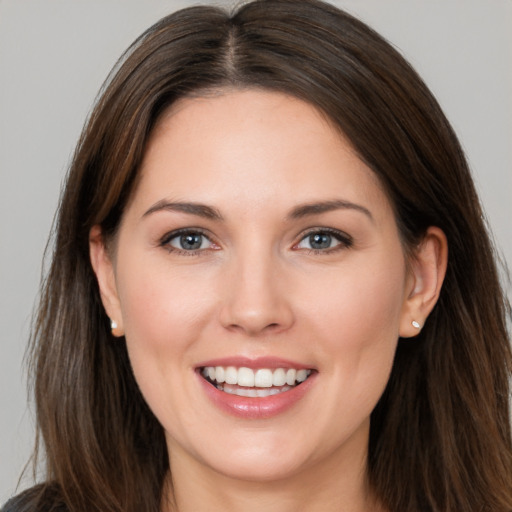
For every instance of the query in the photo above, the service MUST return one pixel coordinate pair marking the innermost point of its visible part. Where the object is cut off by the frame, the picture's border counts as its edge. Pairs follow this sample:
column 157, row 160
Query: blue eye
column 324, row 241
column 186, row 241
column 320, row 241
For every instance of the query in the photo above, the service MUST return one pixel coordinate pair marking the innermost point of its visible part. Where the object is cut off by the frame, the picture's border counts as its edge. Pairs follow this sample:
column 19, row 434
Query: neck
column 330, row 487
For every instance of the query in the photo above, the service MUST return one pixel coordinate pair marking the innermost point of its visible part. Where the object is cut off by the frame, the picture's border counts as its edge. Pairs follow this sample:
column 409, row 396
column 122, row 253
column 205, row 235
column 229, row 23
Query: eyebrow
column 306, row 210
column 198, row 209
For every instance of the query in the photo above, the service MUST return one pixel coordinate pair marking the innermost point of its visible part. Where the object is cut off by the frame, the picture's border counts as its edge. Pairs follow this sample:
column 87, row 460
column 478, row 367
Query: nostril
column 255, row 329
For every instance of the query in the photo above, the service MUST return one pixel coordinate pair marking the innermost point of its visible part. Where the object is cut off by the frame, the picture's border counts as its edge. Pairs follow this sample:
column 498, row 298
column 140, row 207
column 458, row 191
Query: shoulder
column 41, row 498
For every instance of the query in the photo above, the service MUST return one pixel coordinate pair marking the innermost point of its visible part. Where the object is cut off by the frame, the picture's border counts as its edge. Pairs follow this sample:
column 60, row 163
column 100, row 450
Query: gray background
column 54, row 55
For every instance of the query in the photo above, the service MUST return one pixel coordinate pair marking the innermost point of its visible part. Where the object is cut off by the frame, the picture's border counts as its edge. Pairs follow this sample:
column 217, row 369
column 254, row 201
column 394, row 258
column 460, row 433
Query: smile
column 254, row 383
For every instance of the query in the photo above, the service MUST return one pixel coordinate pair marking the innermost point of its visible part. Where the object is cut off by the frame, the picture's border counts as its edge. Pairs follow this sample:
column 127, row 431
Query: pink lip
column 255, row 408
column 260, row 362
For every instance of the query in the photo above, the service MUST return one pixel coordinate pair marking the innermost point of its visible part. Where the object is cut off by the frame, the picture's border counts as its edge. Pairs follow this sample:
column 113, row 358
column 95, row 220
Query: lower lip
column 259, row 407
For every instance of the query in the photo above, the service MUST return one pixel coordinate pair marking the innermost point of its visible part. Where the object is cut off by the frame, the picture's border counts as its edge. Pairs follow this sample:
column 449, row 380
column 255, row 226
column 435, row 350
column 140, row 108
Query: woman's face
column 259, row 250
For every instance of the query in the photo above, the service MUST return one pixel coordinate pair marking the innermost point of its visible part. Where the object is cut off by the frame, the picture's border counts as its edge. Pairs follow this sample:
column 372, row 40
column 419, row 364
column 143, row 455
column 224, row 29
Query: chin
column 259, row 468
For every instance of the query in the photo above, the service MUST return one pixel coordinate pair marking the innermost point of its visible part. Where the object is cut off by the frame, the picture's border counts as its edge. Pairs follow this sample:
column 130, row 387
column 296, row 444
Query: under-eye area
column 258, row 383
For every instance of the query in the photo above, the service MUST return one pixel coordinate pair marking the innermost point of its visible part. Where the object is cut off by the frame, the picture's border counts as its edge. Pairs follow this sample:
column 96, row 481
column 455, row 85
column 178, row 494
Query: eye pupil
column 191, row 241
column 320, row 240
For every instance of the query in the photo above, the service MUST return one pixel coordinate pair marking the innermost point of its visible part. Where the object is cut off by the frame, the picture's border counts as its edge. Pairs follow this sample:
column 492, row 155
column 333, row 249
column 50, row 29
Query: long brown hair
column 440, row 436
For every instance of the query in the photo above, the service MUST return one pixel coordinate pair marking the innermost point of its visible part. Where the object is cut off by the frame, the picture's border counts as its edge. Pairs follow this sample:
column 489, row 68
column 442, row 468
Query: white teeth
column 279, row 377
column 291, row 375
column 245, row 377
column 302, row 375
column 219, row 374
column 249, row 378
column 231, row 375
column 254, row 392
column 245, row 392
column 263, row 378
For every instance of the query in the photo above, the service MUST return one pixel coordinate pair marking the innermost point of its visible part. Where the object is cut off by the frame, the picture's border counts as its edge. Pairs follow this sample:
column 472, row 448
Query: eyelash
column 167, row 238
column 345, row 241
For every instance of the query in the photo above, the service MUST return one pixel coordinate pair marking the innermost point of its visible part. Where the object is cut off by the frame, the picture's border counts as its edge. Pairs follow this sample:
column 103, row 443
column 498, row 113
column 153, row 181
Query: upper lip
column 259, row 362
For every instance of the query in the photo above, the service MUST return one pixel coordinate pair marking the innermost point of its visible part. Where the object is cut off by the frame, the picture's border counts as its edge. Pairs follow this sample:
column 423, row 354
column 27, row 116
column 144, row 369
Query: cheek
column 366, row 300
column 356, row 322
column 158, row 302
column 163, row 314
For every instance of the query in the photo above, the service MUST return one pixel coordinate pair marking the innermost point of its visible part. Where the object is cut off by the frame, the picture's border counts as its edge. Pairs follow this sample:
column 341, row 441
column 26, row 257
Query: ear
column 426, row 275
column 104, row 269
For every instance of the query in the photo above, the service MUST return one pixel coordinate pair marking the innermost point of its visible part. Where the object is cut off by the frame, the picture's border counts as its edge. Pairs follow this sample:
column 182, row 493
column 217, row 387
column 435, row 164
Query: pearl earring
column 416, row 324
column 116, row 331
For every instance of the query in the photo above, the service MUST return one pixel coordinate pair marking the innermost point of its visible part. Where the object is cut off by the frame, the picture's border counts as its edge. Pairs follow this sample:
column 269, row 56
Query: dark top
column 41, row 498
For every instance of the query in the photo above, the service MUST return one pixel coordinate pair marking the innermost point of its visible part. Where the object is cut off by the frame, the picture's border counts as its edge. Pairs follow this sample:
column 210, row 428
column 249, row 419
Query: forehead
column 254, row 145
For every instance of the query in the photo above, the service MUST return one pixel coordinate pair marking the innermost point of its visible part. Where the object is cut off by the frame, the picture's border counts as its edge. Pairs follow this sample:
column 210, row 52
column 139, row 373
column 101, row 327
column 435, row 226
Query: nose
column 256, row 298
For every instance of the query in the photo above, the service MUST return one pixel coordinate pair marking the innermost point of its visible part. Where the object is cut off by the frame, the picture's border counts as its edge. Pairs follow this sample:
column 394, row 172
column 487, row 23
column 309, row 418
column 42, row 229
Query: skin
column 257, row 288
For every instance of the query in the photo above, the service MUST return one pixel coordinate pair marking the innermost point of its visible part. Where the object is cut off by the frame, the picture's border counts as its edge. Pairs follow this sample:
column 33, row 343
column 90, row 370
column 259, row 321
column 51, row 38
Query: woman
column 271, row 285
